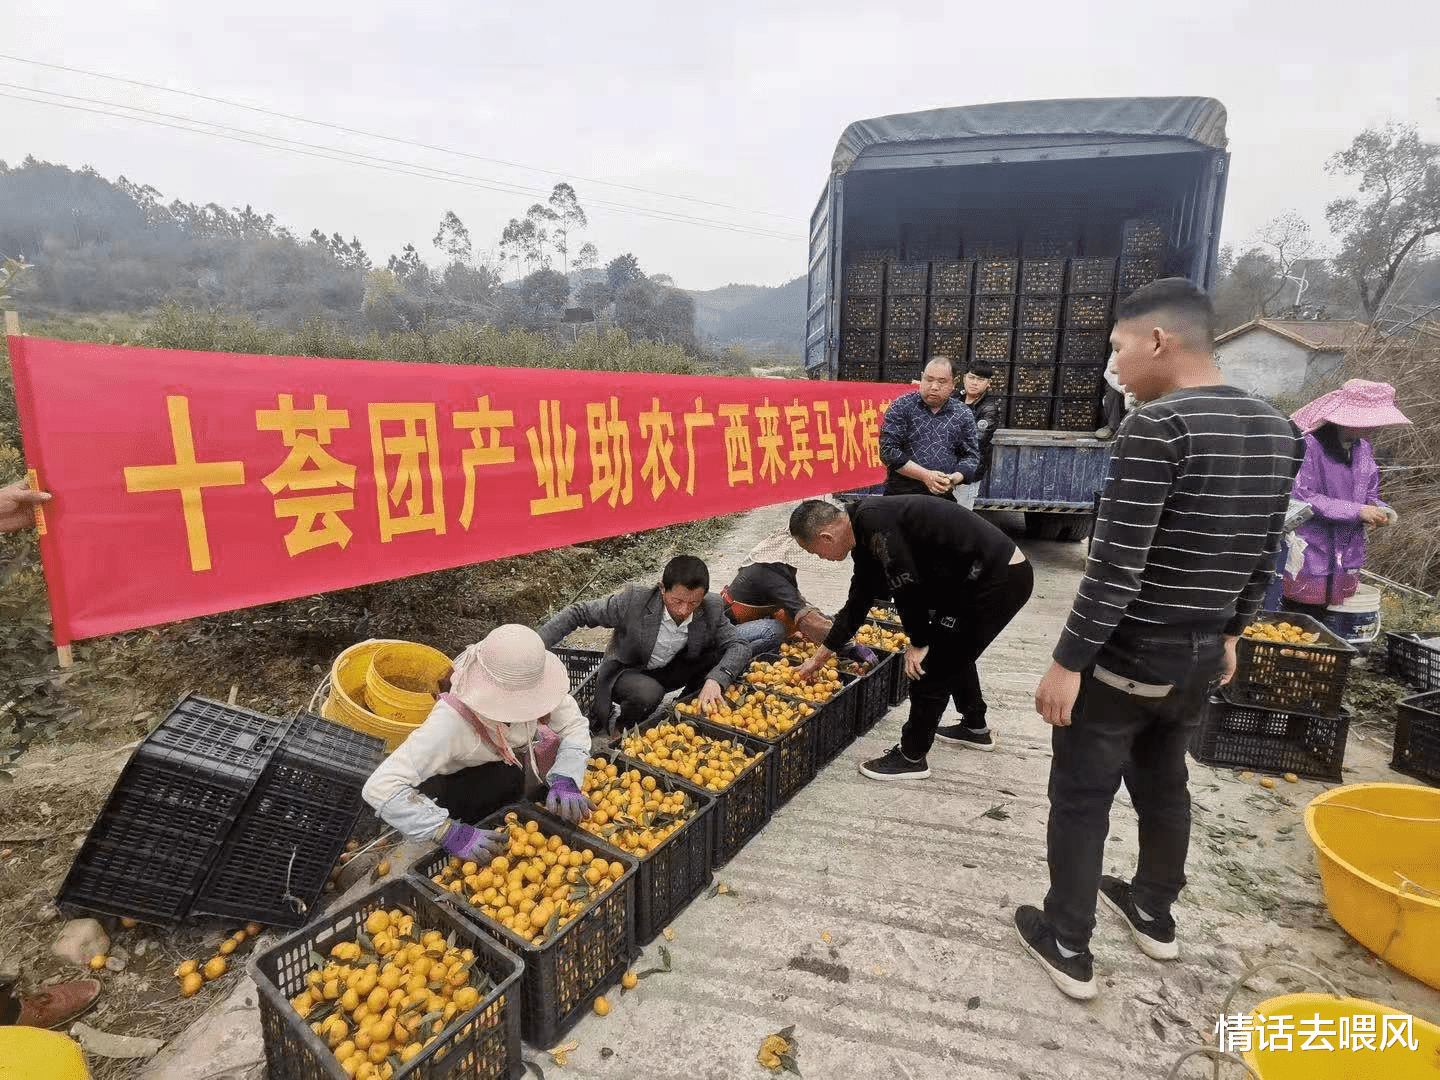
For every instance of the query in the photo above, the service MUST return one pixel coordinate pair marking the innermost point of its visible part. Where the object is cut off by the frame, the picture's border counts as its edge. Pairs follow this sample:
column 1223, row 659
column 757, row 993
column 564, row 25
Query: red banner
column 188, row 483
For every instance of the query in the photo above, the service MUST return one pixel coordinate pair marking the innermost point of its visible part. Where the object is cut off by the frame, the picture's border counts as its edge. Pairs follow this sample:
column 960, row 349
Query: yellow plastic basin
column 1379, row 852
column 348, row 702
column 1395, row 1062
column 27, row 1053
column 402, row 680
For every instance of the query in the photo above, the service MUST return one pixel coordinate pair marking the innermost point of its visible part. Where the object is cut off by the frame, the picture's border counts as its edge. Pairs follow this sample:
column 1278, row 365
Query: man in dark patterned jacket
column 928, row 441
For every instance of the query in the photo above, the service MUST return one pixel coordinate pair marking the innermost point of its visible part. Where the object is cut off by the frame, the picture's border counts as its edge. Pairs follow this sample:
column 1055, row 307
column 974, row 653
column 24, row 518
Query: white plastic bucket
column 1357, row 620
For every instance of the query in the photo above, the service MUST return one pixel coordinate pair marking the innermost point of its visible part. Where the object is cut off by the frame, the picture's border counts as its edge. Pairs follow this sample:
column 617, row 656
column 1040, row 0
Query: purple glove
column 566, row 801
column 467, row 842
column 860, row 654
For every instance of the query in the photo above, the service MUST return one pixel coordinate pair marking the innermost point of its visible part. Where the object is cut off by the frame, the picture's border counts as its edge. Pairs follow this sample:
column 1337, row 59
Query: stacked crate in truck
column 947, row 331
column 907, row 285
column 860, row 314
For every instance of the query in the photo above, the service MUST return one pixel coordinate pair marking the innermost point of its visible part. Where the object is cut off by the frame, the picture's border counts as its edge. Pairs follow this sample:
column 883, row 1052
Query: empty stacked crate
column 860, row 320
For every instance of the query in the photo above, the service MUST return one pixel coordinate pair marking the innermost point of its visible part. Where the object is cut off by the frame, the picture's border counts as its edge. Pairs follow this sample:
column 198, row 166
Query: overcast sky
column 739, row 104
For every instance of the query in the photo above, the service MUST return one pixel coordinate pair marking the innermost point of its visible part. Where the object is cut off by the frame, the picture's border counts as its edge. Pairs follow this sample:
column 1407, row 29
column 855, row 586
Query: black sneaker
column 1074, row 975
column 960, row 735
column 1156, row 936
column 895, row 766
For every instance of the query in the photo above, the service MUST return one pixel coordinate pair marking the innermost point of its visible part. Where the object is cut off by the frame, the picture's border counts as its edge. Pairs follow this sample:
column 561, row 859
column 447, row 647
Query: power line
column 368, row 161
column 391, row 138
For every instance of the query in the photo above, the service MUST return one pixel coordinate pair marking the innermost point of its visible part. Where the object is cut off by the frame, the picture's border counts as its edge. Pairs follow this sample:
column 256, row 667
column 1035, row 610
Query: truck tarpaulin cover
column 188, row 483
column 1197, row 119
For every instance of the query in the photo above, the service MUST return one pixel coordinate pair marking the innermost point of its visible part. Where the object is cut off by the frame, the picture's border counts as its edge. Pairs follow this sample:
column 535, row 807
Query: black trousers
column 1137, row 732
column 949, row 668
column 1315, row 611
column 473, row 794
column 638, row 693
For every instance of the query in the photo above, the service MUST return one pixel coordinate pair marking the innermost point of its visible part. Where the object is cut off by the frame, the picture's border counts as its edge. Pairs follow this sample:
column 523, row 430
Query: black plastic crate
column 903, row 347
column 1080, row 380
column 743, row 808
column 992, row 346
column 949, row 312
column 832, row 722
column 1000, row 384
column 1270, row 740
column 861, row 313
column 1030, row 413
column 994, row 312
column 1050, row 240
column 1036, row 346
column 874, row 690
column 792, row 760
column 1142, row 236
column 859, row 370
column 951, row 343
column 865, row 277
column 1042, row 275
column 564, row 975
column 1091, row 275
column 677, row 871
column 904, row 312
column 152, row 845
column 1136, row 272
column 997, row 275
column 1080, row 413
column 277, row 858
column 1417, row 737
column 1087, row 311
column 1084, row 346
column 907, row 278
column 1033, row 380
column 1413, row 660
column 902, row 371
column 1038, row 311
column 951, row 277
column 581, row 665
column 1299, row 677
column 482, row 1043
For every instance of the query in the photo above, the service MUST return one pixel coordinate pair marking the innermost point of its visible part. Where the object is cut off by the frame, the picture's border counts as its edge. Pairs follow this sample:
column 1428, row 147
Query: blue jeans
column 762, row 635
column 1137, row 732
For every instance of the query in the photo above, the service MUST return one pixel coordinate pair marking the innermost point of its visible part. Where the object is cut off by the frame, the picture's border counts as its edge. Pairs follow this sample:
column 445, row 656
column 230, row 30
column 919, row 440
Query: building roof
column 1318, row 335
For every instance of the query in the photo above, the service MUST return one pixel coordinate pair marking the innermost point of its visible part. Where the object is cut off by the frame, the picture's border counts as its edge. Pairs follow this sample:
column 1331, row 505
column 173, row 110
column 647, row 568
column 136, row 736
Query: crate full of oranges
column 555, row 899
column 730, row 765
column 663, row 823
column 394, row 985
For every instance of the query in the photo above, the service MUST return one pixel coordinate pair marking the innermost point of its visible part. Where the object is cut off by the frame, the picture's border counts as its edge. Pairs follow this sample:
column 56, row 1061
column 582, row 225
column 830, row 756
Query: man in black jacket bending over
column 931, row 555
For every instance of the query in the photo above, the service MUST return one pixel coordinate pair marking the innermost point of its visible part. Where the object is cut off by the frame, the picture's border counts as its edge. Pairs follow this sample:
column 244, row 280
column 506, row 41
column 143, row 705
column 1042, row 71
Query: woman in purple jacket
column 1341, row 482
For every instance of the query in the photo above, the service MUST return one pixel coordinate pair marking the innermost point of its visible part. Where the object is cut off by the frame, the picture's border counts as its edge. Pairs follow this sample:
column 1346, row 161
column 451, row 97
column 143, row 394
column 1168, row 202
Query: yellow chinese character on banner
column 825, row 436
column 870, row 432
column 552, row 452
column 187, row 476
column 480, row 423
column 697, row 419
column 611, row 468
column 657, row 426
column 739, row 459
column 415, row 450
column 798, row 417
column 309, row 467
column 849, row 447
column 772, row 465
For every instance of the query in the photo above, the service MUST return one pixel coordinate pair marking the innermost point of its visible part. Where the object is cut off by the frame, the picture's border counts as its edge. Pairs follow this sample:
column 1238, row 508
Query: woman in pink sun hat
column 1341, row 482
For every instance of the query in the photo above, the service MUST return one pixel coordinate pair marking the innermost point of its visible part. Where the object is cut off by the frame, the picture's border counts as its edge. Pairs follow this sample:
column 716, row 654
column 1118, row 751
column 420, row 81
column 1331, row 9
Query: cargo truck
column 1005, row 233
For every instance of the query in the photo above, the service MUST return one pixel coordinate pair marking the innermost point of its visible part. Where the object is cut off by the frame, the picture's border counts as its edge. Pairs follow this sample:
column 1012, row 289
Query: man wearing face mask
column 671, row 636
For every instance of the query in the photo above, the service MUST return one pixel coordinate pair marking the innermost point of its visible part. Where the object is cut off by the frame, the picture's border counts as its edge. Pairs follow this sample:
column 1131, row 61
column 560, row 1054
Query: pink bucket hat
column 1357, row 404
column 510, row 676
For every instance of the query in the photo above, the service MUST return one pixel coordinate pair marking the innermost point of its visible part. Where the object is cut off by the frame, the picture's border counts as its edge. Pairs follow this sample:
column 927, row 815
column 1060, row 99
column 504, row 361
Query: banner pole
column 63, row 654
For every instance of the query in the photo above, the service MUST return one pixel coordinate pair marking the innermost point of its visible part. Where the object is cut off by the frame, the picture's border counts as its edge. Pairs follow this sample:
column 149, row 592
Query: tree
column 1288, row 239
column 542, row 297
column 623, row 270
column 568, row 218
column 588, row 257
column 540, row 218
column 406, row 265
column 452, row 237
column 516, row 241
column 1397, row 208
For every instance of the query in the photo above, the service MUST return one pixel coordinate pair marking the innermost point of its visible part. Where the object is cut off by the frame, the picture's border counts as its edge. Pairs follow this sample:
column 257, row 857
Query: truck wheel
column 1075, row 529
column 1042, row 526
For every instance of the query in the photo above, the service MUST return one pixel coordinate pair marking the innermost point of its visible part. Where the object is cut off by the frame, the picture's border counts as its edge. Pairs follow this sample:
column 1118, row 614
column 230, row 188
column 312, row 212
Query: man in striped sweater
column 1188, row 527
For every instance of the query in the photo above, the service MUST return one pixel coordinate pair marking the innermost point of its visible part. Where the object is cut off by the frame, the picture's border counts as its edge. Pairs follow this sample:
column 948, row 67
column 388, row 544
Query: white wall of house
column 1267, row 364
